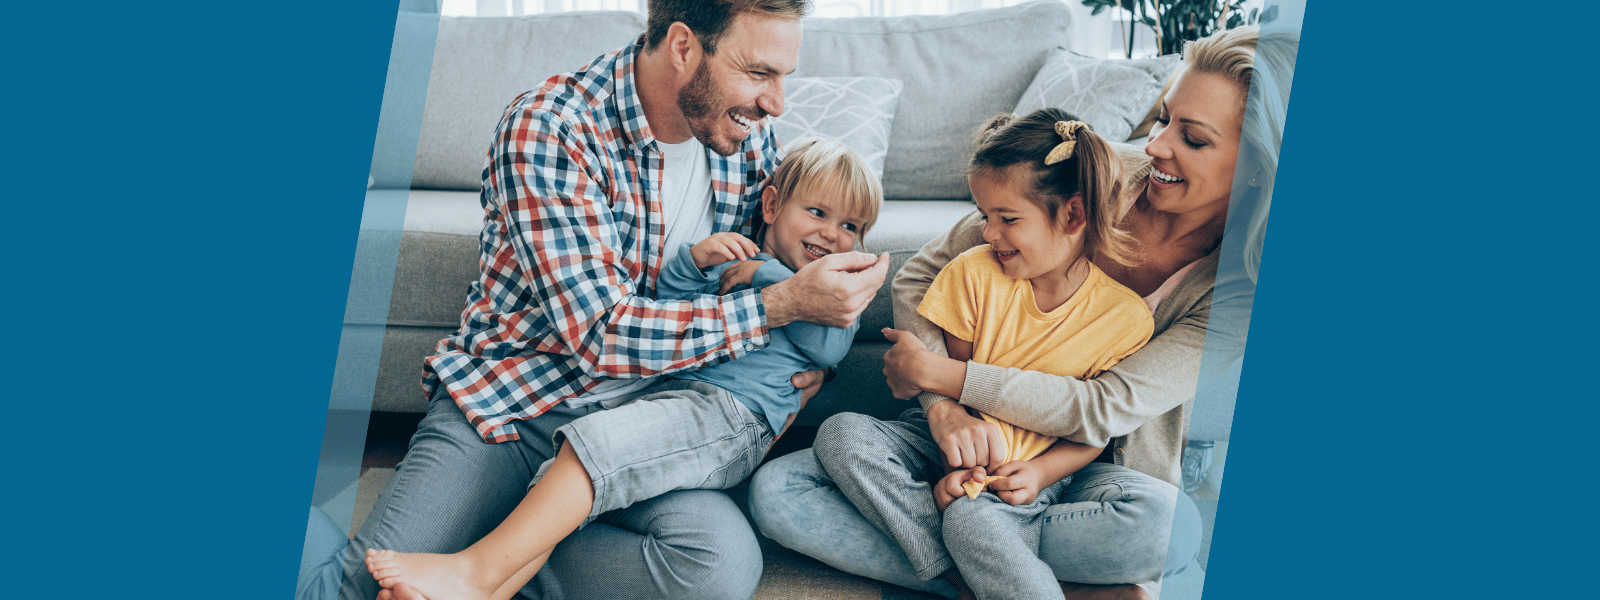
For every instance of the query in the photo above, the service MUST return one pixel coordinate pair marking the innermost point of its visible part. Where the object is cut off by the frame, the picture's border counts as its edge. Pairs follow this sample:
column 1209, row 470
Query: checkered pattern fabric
column 572, row 249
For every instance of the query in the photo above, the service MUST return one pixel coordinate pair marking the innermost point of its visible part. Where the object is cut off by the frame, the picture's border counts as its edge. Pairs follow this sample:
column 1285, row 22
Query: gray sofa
column 955, row 72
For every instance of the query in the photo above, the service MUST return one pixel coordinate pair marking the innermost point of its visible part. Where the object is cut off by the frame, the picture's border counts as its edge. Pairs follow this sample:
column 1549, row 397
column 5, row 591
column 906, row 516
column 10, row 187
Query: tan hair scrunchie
column 1063, row 150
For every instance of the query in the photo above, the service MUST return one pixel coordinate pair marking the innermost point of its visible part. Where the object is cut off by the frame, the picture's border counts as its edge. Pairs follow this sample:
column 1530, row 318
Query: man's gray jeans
column 452, row 489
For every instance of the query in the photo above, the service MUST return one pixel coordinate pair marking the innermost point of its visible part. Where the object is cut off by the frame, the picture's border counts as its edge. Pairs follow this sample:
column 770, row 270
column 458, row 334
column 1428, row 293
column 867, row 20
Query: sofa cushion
column 854, row 111
column 1114, row 96
column 481, row 63
column 959, row 70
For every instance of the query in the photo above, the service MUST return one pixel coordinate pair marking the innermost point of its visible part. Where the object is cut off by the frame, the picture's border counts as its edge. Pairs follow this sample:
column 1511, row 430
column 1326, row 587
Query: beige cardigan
column 1140, row 407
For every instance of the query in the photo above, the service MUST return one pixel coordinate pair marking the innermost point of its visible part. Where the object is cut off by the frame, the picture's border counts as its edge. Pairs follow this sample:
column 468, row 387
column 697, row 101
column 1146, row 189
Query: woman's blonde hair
column 1262, row 63
column 821, row 165
column 1093, row 170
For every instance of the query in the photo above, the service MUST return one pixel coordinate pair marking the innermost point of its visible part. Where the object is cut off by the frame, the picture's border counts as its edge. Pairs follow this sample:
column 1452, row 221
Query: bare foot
column 405, row 592
column 384, row 594
column 1084, row 591
column 418, row 576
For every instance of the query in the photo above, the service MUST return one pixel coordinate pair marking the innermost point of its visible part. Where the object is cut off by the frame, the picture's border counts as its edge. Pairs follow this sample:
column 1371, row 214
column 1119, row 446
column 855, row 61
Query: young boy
column 701, row 429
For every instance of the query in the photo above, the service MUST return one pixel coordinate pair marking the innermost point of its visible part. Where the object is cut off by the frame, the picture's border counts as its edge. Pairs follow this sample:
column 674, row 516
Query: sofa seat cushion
column 439, row 254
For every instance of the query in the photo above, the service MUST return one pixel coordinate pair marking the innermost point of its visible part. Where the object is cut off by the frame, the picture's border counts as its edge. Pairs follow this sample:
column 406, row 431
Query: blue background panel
column 1408, row 416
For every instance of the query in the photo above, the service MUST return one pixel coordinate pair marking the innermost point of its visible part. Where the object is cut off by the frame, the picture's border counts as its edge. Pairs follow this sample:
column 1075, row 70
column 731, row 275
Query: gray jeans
column 452, row 489
column 861, row 501
column 675, row 435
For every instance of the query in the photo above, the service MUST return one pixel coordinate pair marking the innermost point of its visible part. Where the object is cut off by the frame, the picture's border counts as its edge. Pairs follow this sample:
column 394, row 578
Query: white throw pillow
column 1114, row 96
column 854, row 111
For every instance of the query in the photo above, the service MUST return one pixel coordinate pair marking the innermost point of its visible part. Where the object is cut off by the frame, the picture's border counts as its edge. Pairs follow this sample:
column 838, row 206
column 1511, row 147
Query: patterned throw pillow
column 855, row 111
column 1114, row 96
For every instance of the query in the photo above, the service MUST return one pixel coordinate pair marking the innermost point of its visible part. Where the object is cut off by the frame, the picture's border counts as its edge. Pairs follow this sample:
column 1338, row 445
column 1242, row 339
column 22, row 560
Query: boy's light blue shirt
column 759, row 379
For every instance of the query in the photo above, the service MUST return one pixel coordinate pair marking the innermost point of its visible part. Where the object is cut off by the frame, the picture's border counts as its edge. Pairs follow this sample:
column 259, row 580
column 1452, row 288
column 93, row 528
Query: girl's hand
column 1022, row 482
column 722, row 247
column 966, row 441
column 949, row 488
column 740, row 274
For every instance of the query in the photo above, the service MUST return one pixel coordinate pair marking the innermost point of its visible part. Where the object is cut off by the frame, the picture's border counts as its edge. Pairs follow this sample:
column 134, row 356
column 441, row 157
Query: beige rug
column 788, row 575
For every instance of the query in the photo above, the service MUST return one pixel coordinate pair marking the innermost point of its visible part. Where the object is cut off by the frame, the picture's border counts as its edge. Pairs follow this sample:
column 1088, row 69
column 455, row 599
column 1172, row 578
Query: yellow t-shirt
column 974, row 300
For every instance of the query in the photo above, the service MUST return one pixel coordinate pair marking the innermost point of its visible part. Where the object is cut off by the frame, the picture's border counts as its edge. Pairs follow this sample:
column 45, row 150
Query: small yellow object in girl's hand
column 1021, row 444
column 975, row 487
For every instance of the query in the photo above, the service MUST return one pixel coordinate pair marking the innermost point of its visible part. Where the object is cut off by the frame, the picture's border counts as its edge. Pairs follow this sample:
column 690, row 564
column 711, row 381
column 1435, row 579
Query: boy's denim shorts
column 675, row 435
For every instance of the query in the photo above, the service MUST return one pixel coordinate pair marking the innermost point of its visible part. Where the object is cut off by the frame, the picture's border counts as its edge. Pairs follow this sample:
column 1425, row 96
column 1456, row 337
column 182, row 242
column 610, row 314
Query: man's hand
column 831, row 291
column 1022, row 482
column 966, row 441
column 740, row 274
column 949, row 488
column 809, row 382
column 722, row 247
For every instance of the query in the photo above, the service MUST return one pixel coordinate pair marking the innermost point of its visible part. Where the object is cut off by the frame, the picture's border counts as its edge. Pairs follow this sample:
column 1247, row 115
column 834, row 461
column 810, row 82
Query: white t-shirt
column 686, row 213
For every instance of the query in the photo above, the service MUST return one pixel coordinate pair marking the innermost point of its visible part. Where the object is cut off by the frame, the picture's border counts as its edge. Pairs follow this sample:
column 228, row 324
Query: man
column 590, row 178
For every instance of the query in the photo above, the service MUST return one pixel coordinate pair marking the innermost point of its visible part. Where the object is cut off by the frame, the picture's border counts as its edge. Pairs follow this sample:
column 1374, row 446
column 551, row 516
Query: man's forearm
column 778, row 302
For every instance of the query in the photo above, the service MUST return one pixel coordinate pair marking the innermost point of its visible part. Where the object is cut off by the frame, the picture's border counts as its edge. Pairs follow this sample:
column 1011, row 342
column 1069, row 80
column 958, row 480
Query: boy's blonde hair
column 821, row 165
column 1093, row 171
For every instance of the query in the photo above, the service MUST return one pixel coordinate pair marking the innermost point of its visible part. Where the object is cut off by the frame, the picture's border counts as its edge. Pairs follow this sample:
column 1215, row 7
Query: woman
column 1199, row 222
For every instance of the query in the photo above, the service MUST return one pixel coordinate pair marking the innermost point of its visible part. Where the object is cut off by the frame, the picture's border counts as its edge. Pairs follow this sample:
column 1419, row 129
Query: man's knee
column 785, row 494
column 712, row 551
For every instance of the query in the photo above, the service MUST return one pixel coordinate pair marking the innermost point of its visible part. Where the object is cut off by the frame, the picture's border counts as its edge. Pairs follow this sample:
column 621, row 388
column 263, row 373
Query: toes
column 384, row 594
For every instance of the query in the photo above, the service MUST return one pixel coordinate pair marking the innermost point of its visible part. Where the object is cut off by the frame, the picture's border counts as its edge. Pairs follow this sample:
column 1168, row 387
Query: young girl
column 701, row 429
column 1047, row 187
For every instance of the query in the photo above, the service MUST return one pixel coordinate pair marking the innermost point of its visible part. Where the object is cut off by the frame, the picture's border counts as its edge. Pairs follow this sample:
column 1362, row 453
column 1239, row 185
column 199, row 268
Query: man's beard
column 699, row 102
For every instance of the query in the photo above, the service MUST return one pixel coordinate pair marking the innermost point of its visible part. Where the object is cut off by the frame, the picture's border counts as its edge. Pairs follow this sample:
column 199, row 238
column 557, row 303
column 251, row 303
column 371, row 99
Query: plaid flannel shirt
column 572, row 249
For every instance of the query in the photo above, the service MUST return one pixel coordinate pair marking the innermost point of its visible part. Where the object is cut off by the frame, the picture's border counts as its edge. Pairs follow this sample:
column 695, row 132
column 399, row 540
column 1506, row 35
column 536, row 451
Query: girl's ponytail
column 1098, row 174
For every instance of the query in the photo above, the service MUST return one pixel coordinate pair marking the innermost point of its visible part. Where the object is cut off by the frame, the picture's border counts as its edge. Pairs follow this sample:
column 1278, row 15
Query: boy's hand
column 949, row 488
column 1022, row 482
column 740, row 274
column 722, row 247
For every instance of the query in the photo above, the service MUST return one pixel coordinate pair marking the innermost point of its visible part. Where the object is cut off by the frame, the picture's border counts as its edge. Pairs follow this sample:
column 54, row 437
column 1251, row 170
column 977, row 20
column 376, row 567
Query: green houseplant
column 1176, row 21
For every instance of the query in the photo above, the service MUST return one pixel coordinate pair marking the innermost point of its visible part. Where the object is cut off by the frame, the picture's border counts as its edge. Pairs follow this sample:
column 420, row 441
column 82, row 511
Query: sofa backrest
column 481, row 63
column 958, row 70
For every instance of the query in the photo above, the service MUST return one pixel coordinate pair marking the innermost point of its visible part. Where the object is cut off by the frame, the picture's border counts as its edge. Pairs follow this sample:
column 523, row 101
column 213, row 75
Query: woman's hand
column 719, row 248
column 1023, row 480
column 966, row 441
column 740, row 274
